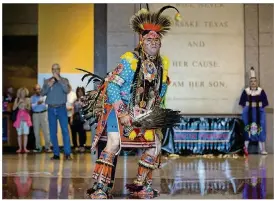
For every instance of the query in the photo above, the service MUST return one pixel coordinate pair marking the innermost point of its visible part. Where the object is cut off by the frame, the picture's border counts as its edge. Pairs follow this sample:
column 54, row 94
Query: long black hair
column 78, row 89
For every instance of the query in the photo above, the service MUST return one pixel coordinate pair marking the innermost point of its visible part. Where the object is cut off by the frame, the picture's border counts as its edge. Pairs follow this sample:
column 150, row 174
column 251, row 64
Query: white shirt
column 70, row 101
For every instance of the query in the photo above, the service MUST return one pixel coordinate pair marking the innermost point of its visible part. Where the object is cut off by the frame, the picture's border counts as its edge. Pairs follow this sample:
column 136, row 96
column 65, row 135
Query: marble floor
column 35, row 176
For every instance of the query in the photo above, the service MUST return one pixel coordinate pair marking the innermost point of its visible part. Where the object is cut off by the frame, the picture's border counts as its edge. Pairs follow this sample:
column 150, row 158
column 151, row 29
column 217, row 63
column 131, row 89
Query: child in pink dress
column 23, row 119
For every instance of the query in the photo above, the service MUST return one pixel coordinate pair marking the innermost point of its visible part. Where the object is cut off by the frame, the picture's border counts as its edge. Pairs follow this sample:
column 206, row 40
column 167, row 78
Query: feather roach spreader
column 93, row 106
column 93, row 100
column 145, row 21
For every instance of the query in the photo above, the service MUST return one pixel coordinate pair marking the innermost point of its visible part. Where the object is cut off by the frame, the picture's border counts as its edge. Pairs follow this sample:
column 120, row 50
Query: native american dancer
column 129, row 106
column 254, row 100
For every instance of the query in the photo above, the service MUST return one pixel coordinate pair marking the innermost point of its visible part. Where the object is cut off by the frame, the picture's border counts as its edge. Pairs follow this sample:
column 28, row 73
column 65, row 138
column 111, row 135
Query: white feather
column 252, row 73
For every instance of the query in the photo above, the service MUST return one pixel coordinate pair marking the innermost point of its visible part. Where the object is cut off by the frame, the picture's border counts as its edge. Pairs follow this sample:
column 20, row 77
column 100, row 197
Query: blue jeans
column 59, row 113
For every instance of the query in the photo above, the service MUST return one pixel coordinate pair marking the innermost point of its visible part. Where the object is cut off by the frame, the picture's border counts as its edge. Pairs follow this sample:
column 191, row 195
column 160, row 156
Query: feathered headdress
column 252, row 72
column 145, row 21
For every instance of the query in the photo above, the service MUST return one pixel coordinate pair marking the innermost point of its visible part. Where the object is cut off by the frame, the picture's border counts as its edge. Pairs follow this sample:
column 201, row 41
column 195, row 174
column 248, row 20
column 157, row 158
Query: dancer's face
column 152, row 43
column 253, row 83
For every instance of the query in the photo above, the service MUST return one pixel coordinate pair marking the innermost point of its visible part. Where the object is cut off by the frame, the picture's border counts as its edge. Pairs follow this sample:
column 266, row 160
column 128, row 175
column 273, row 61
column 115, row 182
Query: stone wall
column 120, row 37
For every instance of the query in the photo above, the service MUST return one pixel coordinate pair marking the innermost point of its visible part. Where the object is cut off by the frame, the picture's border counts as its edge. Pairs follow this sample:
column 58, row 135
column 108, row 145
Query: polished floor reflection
column 35, row 176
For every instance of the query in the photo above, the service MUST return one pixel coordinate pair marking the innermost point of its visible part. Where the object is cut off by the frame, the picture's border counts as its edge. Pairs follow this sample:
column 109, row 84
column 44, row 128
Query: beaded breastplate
column 147, row 85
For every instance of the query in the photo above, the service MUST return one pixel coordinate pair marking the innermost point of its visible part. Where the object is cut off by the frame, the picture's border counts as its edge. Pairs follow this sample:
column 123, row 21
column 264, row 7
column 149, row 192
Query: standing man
column 254, row 100
column 56, row 90
column 40, row 118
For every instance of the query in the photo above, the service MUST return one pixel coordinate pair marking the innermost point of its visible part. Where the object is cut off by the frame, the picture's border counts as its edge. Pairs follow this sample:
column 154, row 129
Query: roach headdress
column 145, row 21
column 252, row 72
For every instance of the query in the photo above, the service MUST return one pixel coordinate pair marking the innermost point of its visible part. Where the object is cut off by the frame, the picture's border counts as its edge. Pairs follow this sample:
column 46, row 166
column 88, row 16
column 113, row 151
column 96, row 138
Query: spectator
column 40, row 119
column 71, row 98
column 254, row 100
column 23, row 119
column 56, row 90
column 9, row 97
column 77, row 126
column 8, row 100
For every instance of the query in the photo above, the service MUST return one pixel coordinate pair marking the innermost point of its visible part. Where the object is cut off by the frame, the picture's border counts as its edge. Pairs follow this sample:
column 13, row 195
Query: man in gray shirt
column 56, row 90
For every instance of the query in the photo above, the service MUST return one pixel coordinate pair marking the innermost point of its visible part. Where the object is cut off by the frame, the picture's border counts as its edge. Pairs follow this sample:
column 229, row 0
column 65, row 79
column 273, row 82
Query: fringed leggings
column 105, row 168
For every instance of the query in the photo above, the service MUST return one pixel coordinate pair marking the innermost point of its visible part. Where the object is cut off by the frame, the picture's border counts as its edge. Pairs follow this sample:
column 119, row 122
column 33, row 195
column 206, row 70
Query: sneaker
column 82, row 149
column 37, row 150
column 264, row 153
column 55, row 157
column 48, row 150
column 68, row 157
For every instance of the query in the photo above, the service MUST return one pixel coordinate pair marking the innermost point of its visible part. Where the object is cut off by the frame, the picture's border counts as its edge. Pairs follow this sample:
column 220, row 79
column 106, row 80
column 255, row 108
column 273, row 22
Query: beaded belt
column 254, row 104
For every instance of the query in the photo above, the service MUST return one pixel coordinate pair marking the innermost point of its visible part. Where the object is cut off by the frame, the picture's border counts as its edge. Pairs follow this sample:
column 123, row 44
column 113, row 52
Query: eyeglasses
column 37, row 89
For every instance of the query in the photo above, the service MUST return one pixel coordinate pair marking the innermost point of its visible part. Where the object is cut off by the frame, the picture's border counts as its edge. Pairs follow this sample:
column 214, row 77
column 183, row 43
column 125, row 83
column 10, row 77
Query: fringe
column 147, row 164
column 103, row 168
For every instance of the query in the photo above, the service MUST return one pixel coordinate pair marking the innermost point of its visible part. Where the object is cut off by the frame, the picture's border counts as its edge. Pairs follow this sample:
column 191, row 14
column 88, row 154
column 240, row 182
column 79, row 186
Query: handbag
column 86, row 126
